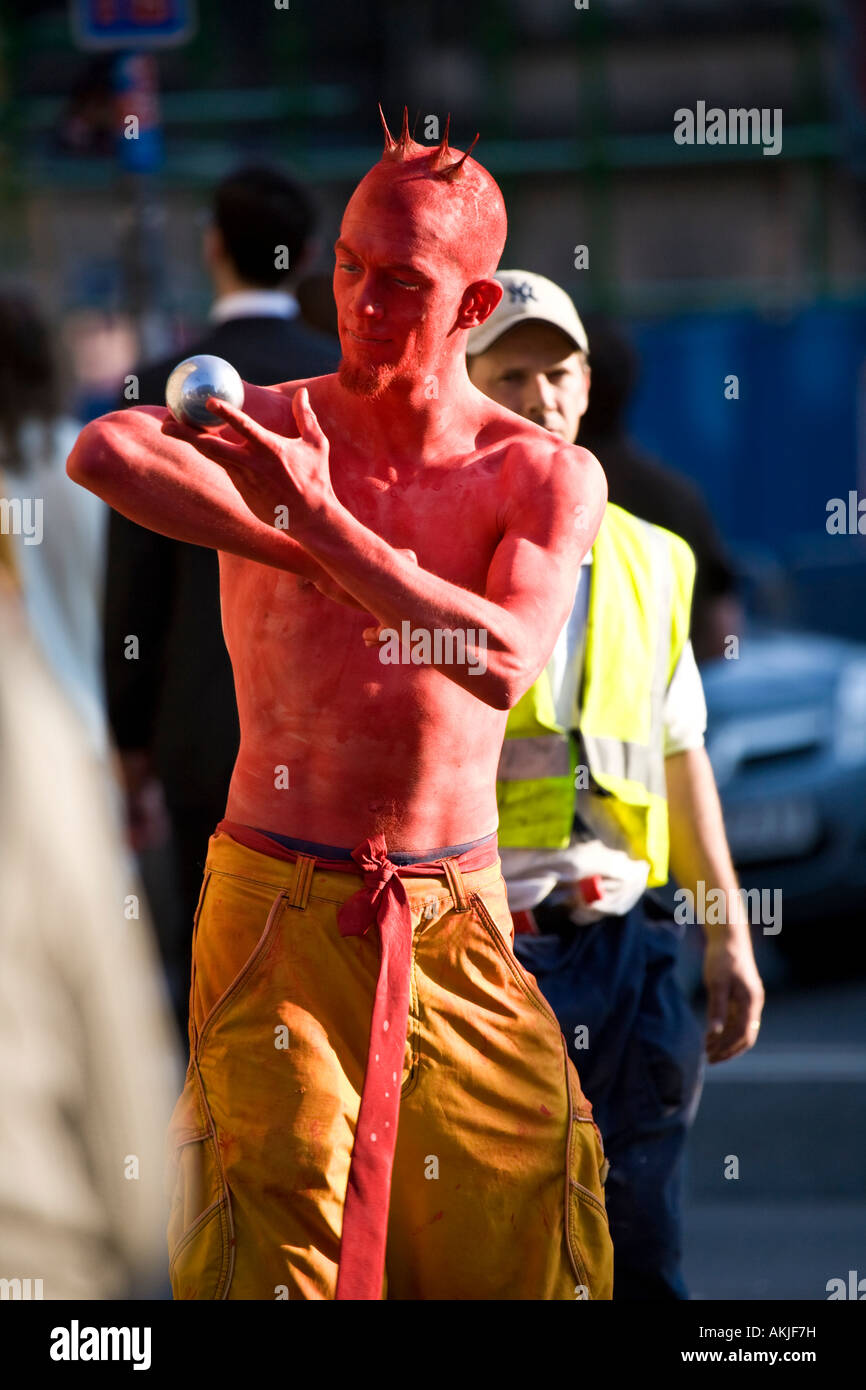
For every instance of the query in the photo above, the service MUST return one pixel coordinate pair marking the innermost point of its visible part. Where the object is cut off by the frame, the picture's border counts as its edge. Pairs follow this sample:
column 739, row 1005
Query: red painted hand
column 270, row 470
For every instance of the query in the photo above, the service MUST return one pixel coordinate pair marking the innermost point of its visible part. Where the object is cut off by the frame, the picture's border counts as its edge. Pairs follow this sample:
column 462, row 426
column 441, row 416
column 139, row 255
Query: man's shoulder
column 540, row 474
column 525, row 444
column 534, row 458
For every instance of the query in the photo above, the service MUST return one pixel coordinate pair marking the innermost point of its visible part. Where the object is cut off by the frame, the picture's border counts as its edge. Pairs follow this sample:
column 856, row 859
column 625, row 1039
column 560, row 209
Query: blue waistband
column 401, row 857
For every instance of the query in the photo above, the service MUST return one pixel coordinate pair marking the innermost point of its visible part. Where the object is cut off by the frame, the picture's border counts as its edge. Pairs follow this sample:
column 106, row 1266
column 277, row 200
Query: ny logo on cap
column 521, row 291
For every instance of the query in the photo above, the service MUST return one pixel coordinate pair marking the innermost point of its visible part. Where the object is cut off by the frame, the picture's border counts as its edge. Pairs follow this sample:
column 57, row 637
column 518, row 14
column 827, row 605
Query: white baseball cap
column 528, row 298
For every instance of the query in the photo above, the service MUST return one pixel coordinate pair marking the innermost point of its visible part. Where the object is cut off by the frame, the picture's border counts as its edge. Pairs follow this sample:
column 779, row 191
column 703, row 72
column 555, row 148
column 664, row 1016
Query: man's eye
column 406, row 284
column 347, row 265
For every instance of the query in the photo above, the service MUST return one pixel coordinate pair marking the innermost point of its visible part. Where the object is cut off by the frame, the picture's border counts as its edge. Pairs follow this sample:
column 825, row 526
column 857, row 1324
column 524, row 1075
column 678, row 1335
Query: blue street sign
column 139, row 140
column 132, row 24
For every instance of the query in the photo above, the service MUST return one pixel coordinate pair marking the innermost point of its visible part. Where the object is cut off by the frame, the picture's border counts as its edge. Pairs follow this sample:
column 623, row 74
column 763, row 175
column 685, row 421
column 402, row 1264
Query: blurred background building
column 726, row 260
column 740, row 277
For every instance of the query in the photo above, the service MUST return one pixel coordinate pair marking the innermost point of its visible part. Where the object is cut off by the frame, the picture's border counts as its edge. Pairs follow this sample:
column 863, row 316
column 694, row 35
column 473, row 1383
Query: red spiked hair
column 442, row 165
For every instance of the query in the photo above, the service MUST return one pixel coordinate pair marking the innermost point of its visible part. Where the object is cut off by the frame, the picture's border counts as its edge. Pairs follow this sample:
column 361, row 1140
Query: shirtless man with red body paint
column 411, row 496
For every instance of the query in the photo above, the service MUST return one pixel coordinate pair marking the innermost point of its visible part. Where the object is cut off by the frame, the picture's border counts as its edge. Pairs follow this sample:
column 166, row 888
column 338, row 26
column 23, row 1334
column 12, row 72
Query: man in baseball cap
column 528, row 298
column 532, row 354
column 603, row 785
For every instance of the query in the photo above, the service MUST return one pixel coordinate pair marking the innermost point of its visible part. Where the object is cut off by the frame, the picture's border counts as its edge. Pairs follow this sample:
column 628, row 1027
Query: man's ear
column 478, row 303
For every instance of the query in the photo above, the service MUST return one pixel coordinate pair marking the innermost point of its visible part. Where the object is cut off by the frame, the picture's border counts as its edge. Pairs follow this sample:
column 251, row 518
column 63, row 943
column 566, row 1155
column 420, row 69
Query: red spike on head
column 405, row 137
column 390, row 143
column 455, row 170
column 404, row 147
column 442, row 152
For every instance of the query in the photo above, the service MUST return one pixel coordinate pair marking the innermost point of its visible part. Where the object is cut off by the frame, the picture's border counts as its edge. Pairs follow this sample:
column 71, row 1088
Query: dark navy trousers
column 638, row 1050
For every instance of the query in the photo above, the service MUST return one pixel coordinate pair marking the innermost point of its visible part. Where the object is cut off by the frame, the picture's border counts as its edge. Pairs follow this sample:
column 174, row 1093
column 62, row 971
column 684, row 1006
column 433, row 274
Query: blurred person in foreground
column 172, row 706
column 603, row 777
column 55, row 531
column 643, row 486
column 88, row 1066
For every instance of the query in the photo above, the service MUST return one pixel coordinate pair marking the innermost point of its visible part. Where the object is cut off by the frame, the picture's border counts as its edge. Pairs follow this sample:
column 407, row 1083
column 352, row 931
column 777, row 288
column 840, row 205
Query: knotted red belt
column 382, row 900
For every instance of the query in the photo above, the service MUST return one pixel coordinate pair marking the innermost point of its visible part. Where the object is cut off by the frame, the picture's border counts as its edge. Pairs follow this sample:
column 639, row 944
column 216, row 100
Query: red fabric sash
column 382, row 901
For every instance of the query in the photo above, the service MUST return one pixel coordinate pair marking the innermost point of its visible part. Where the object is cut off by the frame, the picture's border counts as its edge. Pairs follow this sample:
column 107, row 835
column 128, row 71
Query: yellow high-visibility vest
column 640, row 598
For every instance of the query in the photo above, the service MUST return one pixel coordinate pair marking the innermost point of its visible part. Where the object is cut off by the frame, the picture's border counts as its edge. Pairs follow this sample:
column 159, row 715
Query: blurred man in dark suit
column 171, row 702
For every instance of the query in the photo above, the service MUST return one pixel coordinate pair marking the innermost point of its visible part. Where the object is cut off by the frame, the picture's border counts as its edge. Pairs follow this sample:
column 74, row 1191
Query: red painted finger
column 244, row 424
column 218, row 450
column 305, row 418
column 197, row 438
column 176, row 430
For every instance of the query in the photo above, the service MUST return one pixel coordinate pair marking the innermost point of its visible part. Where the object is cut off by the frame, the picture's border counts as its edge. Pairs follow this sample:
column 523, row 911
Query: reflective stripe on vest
column 631, row 761
column 525, row 759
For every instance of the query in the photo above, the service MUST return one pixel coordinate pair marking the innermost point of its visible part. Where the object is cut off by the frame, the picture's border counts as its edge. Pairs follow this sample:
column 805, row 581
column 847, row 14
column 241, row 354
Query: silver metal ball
column 193, row 381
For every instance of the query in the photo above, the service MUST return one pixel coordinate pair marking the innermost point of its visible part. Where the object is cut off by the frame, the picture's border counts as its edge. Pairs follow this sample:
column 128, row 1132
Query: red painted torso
column 368, row 746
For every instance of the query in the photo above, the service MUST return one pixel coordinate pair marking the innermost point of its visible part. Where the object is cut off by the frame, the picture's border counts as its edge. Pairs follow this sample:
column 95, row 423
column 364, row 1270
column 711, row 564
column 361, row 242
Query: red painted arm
column 163, row 484
column 554, row 500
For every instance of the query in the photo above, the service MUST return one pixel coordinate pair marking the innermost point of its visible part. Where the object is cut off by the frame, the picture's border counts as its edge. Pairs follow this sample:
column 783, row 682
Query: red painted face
column 412, row 243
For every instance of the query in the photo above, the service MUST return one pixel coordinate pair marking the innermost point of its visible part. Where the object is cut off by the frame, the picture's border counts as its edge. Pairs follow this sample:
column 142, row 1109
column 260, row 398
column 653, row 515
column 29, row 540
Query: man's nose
column 368, row 305
column 540, row 397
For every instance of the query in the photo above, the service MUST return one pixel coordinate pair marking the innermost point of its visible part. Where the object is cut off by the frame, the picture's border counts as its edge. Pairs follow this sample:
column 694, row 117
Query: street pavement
column 792, row 1113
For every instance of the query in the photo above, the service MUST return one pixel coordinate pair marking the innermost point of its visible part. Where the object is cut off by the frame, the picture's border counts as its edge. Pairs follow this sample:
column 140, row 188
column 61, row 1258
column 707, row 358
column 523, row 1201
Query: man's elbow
column 496, row 694
column 82, row 465
column 92, row 459
column 507, row 680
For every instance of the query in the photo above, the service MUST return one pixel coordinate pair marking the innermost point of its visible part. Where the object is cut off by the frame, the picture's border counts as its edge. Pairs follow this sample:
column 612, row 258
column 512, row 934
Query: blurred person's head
column 419, row 242
column 614, row 377
column 261, row 232
column 532, row 354
column 29, row 385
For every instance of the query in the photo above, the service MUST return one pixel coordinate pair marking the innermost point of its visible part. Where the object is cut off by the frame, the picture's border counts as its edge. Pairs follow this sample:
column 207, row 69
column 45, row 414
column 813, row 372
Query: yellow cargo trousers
column 497, row 1178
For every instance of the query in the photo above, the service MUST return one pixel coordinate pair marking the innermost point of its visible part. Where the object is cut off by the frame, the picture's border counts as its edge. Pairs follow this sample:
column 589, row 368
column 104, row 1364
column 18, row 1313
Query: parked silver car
column 786, row 736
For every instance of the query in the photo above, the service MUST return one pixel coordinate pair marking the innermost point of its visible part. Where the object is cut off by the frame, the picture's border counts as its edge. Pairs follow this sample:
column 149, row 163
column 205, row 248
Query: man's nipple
column 390, row 476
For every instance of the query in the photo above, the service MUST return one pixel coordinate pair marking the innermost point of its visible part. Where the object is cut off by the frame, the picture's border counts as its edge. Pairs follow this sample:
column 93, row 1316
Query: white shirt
column 245, row 304
column 531, row 875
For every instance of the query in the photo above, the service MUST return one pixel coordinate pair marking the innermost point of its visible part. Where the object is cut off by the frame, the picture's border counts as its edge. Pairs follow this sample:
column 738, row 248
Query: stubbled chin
column 366, row 379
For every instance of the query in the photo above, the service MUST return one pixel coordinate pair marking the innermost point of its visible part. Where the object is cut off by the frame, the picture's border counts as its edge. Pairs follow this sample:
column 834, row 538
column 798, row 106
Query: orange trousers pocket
column 200, row 1240
column 588, row 1235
